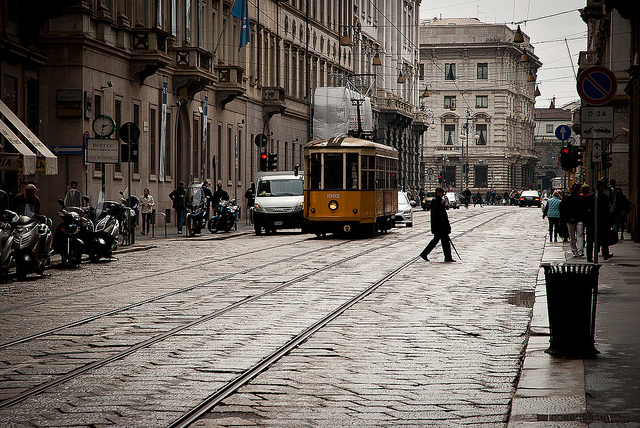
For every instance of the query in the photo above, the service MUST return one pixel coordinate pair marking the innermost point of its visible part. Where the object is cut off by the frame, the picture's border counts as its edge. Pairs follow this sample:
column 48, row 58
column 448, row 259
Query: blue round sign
column 563, row 132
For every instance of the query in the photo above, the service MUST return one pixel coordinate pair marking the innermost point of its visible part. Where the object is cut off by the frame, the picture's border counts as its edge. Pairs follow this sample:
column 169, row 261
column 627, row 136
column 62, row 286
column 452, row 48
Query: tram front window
column 333, row 171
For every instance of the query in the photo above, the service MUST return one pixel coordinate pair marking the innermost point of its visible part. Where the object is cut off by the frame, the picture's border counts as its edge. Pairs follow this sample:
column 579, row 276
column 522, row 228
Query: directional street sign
column 597, row 130
column 67, row 150
column 563, row 132
column 596, row 152
column 590, row 114
column 597, row 85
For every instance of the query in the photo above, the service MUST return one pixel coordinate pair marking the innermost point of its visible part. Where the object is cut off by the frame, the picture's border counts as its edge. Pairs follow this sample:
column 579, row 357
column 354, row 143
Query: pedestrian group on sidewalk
column 572, row 217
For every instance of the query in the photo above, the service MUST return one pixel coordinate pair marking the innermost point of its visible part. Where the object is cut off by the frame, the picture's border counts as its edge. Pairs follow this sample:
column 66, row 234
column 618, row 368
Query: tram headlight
column 333, row 205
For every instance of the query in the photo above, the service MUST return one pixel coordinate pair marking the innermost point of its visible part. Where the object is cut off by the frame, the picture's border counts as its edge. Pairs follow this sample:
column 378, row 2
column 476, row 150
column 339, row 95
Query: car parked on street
column 530, row 198
column 405, row 210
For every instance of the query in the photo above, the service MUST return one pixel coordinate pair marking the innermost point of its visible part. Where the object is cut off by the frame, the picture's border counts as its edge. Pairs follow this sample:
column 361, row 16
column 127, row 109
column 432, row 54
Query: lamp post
column 464, row 174
column 429, row 113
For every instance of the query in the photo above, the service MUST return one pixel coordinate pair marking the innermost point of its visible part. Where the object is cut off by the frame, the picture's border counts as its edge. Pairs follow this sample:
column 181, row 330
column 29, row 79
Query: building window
column 482, row 101
column 481, row 131
column 167, row 147
column 480, row 175
column 549, row 128
column 152, row 141
column 118, row 120
column 482, row 71
column 231, row 151
column 196, row 132
column 136, row 120
column 450, row 71
column 449, row 135
column 450, row 102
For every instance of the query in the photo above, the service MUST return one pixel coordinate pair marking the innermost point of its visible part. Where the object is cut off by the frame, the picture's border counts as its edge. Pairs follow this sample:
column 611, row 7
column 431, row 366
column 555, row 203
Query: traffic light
column 577, row 156
column 272, row 161
column 606, row 160
column 263, row 162
column 440, row 178
column 565, row 158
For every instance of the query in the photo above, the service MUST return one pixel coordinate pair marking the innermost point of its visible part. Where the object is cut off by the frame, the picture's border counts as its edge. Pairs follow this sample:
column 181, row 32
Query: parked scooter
column 103, row 241
column 32, row 239
column 197, row 209
column 7, row 253
column 72, row 234
column 225, row 217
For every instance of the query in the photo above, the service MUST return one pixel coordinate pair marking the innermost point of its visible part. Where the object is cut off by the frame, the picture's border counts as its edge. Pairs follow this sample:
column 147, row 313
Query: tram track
column 45, row 386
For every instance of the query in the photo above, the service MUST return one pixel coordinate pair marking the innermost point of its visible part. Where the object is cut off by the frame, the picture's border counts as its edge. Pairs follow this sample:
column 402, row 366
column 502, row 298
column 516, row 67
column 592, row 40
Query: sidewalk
column 599, row 392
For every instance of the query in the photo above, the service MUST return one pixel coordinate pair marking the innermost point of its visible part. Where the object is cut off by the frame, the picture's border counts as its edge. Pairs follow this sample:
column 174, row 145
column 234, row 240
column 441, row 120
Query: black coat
column 178, row 196
column 439, row 218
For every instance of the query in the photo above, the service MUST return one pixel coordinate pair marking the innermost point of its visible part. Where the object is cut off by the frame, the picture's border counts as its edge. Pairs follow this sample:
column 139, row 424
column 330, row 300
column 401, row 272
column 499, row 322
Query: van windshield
column 291, row 187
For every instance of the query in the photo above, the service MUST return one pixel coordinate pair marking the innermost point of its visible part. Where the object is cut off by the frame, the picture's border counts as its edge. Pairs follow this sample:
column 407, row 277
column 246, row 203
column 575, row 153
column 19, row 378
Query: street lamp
column 464, row 167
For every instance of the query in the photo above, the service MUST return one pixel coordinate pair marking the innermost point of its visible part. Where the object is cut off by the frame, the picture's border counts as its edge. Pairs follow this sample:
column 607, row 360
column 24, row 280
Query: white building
column 481, row 100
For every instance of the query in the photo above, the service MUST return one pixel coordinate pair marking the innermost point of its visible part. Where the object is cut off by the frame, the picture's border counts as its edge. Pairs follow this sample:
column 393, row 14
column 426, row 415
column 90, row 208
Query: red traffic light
column 565, row 150
column 263, row 156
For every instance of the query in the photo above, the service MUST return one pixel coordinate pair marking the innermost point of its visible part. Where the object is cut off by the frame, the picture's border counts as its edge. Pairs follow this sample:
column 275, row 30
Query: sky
column 548, row 33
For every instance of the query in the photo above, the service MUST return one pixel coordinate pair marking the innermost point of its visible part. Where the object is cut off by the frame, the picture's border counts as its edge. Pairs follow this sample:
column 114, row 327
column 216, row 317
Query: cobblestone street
column 142, row 339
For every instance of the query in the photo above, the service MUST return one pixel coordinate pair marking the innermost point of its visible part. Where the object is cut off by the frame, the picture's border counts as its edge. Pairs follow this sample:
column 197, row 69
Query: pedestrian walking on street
column 440, row 228
column 178, row 198
column 575, row 209
column 603, row 224
column 478, row 199
column 552, row 212
column 147, row 210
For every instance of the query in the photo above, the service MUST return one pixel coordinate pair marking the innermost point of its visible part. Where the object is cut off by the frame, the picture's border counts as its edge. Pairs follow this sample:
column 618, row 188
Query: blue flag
column 241, row 10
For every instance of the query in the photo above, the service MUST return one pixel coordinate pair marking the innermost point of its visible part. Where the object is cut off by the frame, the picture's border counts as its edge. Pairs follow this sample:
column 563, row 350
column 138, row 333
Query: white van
column 279, row 201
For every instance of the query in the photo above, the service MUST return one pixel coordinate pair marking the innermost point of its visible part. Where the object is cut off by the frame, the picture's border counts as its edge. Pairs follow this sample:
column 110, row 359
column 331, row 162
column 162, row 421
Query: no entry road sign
column 597, row 85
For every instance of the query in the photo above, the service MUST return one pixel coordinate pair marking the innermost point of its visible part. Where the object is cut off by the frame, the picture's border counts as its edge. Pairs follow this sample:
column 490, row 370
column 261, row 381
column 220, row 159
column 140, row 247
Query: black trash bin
column 572, row 293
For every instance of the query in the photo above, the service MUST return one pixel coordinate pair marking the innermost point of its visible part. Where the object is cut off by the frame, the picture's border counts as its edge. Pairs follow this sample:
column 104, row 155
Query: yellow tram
column 350, row 185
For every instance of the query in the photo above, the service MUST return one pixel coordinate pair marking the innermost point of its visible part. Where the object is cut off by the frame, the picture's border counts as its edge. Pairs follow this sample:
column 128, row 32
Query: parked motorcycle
column 32, row 239
column 72, row 234
column 225, row 216
column 103, row 240
column 197, row 209
column 7, row 252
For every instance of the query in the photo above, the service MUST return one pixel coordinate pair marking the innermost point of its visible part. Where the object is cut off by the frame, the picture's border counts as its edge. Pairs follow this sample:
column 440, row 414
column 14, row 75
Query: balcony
column 149, row 52
column 192, row 69
column 273, row 99
column 588, row 59
column 393, row 105
column 230, row 84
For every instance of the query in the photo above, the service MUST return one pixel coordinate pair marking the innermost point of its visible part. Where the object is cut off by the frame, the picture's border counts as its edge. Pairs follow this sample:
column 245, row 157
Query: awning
column 29, row 156
column 51, row 159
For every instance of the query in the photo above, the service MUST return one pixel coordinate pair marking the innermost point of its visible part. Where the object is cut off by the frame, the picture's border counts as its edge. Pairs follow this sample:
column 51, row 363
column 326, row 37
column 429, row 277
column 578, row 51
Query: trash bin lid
column 571, row 268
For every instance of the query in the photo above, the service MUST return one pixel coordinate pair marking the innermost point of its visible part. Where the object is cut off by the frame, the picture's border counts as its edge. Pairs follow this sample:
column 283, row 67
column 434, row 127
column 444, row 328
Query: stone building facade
column 177, row 69
column 481, row 101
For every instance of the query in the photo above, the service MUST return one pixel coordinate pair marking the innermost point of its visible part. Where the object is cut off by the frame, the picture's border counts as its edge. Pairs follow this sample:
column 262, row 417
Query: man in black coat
column 440, row 228
column 603, row 225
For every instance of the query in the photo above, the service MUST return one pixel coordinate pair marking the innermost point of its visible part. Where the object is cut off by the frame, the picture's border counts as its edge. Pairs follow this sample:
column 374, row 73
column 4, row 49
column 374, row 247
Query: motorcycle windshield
column 28, row 210
column 195, row 198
